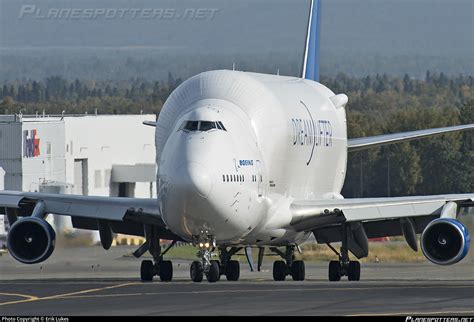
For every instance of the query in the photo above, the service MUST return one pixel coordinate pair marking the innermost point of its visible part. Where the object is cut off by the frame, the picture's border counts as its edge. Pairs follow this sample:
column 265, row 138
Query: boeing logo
column 246, row 162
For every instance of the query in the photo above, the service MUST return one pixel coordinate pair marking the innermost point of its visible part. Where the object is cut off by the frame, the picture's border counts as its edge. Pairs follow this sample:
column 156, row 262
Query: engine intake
column 445, row 241
column 31, row 240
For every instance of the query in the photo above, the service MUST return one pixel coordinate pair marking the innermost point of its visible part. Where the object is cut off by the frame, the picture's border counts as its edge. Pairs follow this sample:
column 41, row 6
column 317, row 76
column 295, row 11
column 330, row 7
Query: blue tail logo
column 312, row 52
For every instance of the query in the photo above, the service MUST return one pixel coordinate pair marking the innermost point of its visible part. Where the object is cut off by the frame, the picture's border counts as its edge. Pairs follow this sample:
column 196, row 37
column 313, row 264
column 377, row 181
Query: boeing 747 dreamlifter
column 251, row 160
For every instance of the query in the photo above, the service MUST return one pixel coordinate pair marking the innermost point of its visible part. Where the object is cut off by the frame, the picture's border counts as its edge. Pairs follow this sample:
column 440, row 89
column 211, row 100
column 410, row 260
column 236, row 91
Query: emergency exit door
column 259, row 178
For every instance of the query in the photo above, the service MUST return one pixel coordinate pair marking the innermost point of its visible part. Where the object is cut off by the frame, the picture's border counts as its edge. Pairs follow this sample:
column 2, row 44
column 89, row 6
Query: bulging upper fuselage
column 234, row 149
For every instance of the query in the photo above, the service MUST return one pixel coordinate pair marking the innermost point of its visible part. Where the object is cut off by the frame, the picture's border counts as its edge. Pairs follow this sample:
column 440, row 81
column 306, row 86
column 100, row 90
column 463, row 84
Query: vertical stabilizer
column 310, row 68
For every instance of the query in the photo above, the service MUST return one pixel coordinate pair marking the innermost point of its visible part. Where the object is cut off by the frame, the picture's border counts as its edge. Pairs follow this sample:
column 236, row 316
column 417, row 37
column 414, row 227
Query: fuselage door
column 259, row 178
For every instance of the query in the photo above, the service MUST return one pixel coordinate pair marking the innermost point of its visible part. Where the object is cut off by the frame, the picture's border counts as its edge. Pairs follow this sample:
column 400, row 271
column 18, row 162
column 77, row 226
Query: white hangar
column 102, row 155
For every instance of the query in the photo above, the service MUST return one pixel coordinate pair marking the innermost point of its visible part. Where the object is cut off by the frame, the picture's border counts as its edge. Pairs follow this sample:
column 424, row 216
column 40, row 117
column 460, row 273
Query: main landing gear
column 289, row 266
column 213, row 269
column 344, row 266
column 157, row 267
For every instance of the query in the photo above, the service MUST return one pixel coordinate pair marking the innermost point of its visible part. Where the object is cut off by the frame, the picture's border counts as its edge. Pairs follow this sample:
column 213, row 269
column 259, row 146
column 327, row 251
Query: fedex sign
column 31, row 144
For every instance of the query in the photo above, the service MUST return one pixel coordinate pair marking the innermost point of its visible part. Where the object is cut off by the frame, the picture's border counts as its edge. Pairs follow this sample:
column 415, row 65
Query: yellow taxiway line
column 31, row 298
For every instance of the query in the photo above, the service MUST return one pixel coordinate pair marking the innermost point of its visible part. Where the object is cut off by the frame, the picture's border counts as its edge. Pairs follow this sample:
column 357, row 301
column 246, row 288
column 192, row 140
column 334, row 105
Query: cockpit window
column 192, row 126
column 207, row 126
column 221, row 126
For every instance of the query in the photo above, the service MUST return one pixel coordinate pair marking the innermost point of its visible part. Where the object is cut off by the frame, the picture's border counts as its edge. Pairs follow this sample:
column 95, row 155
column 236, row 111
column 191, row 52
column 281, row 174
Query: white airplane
column 251, row 160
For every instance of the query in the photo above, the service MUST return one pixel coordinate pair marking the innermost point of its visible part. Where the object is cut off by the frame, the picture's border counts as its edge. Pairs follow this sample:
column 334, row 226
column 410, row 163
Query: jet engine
column 31, row 240
column 445, row 241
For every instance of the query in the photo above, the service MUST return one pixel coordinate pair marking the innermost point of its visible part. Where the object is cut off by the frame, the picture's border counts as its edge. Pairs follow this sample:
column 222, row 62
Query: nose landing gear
column 206, row 266
column 213, row 269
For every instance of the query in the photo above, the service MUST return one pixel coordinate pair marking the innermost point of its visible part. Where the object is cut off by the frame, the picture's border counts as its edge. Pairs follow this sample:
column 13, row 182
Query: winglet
column 310, row 69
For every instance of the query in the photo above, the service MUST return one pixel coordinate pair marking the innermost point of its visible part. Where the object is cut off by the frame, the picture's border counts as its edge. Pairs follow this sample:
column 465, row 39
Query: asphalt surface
column 90, row 281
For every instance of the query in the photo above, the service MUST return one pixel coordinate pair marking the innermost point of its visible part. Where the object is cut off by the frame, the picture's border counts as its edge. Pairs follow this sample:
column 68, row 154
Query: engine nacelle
column 31, row 240
column 445, row 241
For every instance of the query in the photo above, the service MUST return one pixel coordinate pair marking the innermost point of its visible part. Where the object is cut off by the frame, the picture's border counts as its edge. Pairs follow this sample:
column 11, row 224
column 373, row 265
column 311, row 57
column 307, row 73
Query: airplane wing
column 125, row 215
column 374, row 141
column 373, row 217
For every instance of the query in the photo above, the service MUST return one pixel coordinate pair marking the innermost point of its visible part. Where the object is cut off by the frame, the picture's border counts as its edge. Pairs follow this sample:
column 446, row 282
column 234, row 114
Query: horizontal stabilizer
column 149, row 123
column 374, row 141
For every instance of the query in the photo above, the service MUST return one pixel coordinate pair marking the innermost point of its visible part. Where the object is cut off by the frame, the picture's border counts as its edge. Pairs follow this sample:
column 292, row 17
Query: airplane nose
column 194, row 177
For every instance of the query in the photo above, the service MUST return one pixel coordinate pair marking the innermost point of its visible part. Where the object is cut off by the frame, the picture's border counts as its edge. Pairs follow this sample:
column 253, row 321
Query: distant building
column 2, row 179
column 102, row 155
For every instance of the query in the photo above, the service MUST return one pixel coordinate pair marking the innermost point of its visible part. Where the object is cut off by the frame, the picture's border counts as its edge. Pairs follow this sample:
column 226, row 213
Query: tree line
column 56, row 94
column 378, row 104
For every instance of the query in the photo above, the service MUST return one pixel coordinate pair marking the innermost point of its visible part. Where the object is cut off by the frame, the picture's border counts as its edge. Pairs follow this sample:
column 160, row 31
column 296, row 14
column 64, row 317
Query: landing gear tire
column 334, row 271
column 220, row 271
column 197, row 272
column 147, row 271
column 279, row 271
column 166, row 271
column 233, row 271
column 213, row 275
column 353, row 271
column 298, row 271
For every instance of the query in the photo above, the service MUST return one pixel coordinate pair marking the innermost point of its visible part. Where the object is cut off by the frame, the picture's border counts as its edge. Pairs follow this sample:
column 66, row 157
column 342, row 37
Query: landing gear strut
column 344, row 266
column 157, row 267
column 229, row 268
column 213, row 269
column 289, row 266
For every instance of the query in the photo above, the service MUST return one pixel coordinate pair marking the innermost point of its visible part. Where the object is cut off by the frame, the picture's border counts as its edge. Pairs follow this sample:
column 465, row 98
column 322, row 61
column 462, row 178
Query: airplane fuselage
column 234, row 149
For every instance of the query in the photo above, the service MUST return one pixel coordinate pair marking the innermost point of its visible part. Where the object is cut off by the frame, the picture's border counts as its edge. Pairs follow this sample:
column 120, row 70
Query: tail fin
column 310, row 68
